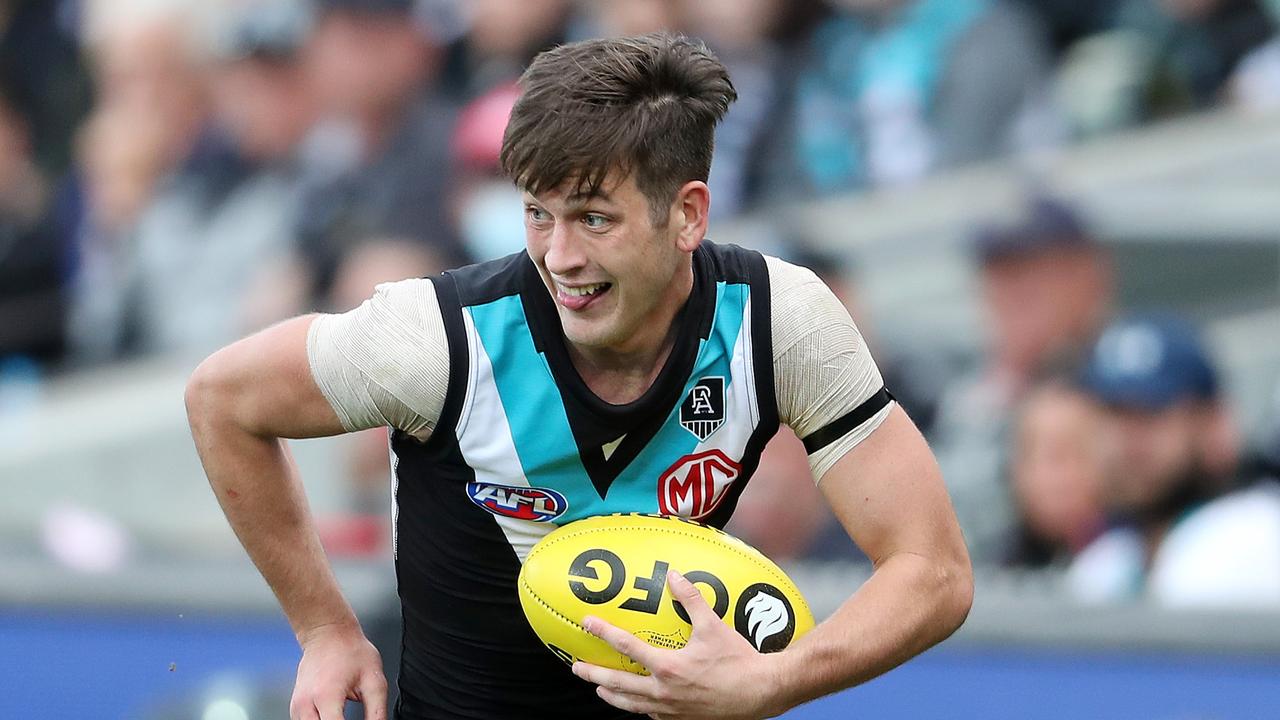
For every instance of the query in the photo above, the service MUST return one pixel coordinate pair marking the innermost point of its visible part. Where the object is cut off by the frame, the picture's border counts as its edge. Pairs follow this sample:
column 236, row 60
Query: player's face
column 616, row 278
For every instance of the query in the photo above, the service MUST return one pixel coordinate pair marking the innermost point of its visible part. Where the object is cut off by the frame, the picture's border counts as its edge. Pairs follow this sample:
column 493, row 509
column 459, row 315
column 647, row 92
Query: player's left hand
column 718, row 674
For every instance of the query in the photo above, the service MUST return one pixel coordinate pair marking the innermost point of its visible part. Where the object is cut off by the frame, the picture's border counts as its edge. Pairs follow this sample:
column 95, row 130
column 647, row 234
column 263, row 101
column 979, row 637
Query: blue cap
column 1045, row 223
column 373, row 7
column 275, row 29
column 1149, row 363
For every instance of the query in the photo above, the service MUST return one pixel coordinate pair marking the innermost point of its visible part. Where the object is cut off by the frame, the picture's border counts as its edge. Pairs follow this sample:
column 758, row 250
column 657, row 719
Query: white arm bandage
column 821, row 366
column 385, row 362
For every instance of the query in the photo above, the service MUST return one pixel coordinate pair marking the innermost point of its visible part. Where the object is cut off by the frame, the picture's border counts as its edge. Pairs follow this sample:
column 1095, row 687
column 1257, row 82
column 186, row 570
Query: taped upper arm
column 828, row 386
column 385, row 363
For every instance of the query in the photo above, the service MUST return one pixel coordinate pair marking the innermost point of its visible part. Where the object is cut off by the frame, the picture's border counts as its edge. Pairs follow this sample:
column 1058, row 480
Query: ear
column 689, row 214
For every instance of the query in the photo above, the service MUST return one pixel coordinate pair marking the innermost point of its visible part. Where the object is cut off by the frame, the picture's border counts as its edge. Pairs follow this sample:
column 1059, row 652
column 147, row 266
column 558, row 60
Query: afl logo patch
column 702, row 412
column 520, row 502
column 764, row 617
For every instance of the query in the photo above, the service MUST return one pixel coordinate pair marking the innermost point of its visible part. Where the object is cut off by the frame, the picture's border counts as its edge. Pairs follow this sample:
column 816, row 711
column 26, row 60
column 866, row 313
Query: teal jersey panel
column 535, row 411
column 639, row 481
column 539, row 423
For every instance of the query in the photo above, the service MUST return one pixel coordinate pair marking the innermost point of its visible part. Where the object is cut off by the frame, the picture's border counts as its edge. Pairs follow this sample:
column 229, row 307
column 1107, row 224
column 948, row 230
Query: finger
column 331, row 709
column 617, row 680
column 373, row 693
column 700, row 613
column 624, row 642
column 300, row 709
column 630, row 703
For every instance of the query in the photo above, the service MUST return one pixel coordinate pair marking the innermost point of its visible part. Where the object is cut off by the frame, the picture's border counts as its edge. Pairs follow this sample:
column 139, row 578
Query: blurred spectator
column 1159, row 58
column 150, row 129
column 741, row 33
column 383, row 137
column 1196, row 44
column 208, row 239
column 502, row 37
column 619, row 18
column 486, row 204
column 893, row 89
column 1047, row 289
column 1256, row 82
column 1070, row 20
column 1173, row 450
column 45, row 78
column 31, row 255
column 1056, row 474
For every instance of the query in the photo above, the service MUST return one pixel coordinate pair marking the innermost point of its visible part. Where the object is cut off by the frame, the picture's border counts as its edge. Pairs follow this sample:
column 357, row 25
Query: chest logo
column 695, row 484
column 520, row 502
column 702, row 412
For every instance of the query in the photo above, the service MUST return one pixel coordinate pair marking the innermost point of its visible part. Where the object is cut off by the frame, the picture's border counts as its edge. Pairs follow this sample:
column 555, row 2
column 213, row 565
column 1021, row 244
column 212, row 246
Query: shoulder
column 803, row 305
column 787, row 276
column 794, row 286
column 413, row 300
column 487, row 281
column 399, row 317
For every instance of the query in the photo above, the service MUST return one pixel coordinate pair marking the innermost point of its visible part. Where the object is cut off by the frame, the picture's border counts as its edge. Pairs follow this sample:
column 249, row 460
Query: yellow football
column 615, row 567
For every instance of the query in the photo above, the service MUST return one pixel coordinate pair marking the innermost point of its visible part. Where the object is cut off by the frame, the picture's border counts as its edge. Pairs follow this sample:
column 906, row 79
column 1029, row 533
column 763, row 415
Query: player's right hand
column 338, row 664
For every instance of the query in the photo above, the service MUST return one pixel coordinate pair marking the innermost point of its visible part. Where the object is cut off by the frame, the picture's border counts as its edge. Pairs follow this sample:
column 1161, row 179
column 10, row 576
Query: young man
column 602, row 367
column 1180, row 536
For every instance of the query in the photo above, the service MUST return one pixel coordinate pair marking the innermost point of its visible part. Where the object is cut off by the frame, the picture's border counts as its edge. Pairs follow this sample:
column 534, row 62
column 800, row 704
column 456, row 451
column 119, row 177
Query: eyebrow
column 583, row 197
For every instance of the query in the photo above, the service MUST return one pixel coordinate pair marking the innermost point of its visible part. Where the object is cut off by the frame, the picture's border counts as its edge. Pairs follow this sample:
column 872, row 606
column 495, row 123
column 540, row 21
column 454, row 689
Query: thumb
column 688, row 597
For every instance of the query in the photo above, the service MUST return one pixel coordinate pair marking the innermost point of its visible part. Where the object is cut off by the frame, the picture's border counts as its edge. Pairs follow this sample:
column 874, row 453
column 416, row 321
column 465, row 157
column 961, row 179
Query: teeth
column 584, row 290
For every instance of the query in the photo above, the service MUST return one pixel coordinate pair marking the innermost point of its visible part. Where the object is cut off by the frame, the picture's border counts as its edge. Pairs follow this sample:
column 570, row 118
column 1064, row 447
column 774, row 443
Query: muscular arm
column 880, row 478
column 883, row 484
column 384, row 363
column 240, row 402
column 881, row 481
column 889, row 495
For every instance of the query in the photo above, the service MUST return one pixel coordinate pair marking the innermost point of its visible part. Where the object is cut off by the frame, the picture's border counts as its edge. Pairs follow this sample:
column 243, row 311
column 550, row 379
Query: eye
column 595, row 221
column 536, row 214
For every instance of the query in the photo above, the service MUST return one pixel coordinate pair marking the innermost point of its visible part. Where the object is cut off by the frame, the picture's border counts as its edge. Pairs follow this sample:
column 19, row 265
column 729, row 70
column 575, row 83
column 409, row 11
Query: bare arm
column 889, row 495
column 881, row 480
column 240, row 402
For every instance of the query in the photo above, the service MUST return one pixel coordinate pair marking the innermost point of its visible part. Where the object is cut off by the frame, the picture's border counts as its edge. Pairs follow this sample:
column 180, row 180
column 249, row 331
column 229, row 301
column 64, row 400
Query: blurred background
column 1057, row 223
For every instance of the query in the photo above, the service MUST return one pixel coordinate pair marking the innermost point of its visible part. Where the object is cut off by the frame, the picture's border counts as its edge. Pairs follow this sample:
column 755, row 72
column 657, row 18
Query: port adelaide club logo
column 702, row 412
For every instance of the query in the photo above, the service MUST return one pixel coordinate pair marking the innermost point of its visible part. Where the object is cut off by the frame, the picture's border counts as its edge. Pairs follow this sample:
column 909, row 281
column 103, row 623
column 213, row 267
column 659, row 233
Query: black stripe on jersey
column 455, row 334
column 737, row 264
column 841, row 426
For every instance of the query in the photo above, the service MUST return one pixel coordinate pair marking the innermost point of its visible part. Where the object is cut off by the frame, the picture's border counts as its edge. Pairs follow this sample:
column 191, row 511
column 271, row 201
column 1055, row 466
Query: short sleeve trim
column 846, row 423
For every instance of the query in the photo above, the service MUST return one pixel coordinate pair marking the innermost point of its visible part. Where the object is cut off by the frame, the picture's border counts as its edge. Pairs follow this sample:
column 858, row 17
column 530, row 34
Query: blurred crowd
column 177, row 173
column 1098, row 443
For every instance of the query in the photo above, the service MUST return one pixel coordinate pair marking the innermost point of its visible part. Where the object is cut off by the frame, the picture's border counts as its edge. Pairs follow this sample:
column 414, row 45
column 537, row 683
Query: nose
column 564, row 251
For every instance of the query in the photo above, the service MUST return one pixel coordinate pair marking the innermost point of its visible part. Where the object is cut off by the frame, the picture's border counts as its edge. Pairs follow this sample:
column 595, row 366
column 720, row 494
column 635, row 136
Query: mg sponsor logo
column 696, row 484
column 520, row 502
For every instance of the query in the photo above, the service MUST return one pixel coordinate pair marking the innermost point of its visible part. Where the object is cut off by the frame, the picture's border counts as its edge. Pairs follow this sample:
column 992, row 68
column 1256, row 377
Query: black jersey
column 522, row 446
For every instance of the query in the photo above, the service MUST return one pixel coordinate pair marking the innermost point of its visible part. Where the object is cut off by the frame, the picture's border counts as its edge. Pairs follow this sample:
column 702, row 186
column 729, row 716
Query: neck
column 622, row 373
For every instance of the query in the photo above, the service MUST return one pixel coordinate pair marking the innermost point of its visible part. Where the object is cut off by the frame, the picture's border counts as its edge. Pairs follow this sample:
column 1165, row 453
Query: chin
column 586, row 333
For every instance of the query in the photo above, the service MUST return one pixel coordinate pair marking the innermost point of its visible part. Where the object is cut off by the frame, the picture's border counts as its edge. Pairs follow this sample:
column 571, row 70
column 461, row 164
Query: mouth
column 579, row 297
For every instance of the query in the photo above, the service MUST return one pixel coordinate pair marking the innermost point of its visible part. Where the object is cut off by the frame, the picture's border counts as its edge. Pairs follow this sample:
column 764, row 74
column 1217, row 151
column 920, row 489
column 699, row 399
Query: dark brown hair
column 646, row 105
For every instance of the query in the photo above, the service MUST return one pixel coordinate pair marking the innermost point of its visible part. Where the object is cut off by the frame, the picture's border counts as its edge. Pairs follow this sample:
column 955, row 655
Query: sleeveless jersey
column 523, row 445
